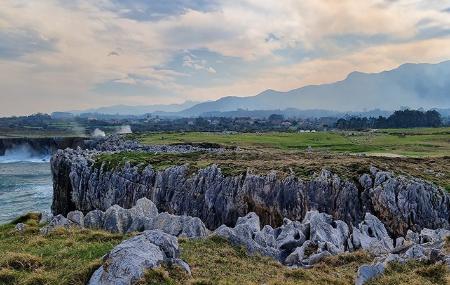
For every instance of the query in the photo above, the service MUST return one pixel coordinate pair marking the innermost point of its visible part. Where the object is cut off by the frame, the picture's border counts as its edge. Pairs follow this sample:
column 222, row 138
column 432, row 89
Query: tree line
column 399, row 119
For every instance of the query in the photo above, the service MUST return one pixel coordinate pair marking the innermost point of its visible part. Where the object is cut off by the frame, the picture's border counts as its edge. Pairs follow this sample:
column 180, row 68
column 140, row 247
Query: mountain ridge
column 413, row 84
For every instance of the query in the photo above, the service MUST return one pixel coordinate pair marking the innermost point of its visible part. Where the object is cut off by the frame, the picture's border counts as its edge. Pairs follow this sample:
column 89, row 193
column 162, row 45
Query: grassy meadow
column 69, row 257
column 423, row 153
column 421, row 142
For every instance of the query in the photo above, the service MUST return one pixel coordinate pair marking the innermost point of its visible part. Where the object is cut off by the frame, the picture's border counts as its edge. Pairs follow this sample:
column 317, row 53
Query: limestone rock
column 407, row 203
column 371, row 235
column 401, row 203
column 76, row 217
column 127, row 262
column 301, row 253
column 20, row 228
column 416, row 252
column 142, row 214
column 245, row 233
column 46, row 217
column 117, row 219
column 94, row 219
column 58, row 221
column 369, row 271
column 266, row 237
column 144, row 208
column 324, row 230
column 317, row 257
column 291, row 236
column 180, row 226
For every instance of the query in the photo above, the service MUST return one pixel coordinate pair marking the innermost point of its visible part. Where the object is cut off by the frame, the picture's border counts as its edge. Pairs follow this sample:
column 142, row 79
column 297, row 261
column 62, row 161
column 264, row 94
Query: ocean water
column 25, row 183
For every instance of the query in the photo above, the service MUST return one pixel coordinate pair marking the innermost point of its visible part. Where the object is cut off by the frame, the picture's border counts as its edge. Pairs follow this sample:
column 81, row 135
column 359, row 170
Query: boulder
column 46, row 217
column 245, row 234
column 76, row 217
column 301, row 253
column 266, row 237
column 317, row 257
column 416, row 252
column 291, row 235
column 324, row 230
column 127, row 262
column 94, row 219
column 58, row 221
column 144, row 208
column 142, row 215
column 117, row 219
column 371, row 235
column 180, row 226
column 429, row 235
column 369, row 271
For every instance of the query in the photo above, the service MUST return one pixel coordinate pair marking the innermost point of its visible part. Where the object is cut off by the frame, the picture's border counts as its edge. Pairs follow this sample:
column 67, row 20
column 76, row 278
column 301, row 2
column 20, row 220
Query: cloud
column 192, row 62
column 67, row 49
column 16, row 43
column 143, row 10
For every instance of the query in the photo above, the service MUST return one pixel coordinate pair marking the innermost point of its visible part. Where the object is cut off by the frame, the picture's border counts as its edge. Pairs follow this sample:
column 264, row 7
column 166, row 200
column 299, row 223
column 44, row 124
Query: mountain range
column 412, row 85
column 138, row 110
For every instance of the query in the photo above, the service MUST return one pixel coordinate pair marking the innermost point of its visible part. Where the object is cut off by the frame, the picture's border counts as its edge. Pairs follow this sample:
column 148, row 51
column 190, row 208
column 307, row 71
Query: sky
column 76, row 54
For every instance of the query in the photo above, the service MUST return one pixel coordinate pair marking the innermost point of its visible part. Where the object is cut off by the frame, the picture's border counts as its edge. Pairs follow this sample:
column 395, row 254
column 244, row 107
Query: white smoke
column 23, row 152
column 124, row 130
column 97, row 133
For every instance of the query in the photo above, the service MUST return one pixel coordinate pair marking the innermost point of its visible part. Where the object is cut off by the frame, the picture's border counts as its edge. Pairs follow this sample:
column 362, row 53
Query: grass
column 301, row 164
column 71, row 256
column 64, row 257
column 159, row 161
column 420, row 142
column 215, row 261
column 413, row 273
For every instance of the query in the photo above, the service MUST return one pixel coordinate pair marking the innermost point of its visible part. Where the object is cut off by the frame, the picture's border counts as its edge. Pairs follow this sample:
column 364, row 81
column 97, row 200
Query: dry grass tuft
column 413, row 273
column 20, row 261
column 7, row 276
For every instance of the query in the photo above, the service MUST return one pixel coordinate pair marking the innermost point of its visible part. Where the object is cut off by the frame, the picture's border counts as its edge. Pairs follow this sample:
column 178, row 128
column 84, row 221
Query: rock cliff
column 401, row 203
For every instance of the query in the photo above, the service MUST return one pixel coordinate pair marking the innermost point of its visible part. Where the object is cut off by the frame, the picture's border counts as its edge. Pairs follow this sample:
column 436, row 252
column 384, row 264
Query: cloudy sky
column 72, row 54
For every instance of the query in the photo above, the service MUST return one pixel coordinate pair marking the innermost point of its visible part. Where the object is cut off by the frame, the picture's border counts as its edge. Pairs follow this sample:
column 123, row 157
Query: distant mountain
column 137, row 110
column 295, row 113
column 411, row 85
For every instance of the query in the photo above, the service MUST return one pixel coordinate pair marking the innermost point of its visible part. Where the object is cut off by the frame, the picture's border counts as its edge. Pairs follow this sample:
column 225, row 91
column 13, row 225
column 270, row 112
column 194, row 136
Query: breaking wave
column 23, row 153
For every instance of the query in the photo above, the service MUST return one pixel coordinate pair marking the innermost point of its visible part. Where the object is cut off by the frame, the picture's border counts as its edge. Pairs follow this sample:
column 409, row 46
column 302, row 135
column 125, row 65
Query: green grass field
column 69, row 257
column 425, row 142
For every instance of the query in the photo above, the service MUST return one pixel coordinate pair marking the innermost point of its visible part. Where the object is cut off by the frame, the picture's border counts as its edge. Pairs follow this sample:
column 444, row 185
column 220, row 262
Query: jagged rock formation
column 303, row 244
column 401, row 203
column 319, row 236
column 127, row 262
column 294, row 243
column 143, row 216
column 428, row 245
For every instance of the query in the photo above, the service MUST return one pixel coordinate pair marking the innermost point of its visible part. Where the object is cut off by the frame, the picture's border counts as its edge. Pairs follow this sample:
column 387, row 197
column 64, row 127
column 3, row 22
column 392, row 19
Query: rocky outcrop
column 58, row 221
column 427, row 246
column 127, row 262
column 294, row 243
column 401, row 203
column 143, row 216
column 303, row 244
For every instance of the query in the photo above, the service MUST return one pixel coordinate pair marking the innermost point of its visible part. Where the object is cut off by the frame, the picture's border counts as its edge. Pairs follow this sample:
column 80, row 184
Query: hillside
column 412, row 85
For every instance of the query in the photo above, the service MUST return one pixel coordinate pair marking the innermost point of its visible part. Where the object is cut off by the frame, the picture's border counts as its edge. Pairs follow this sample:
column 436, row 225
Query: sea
column 25, row 183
